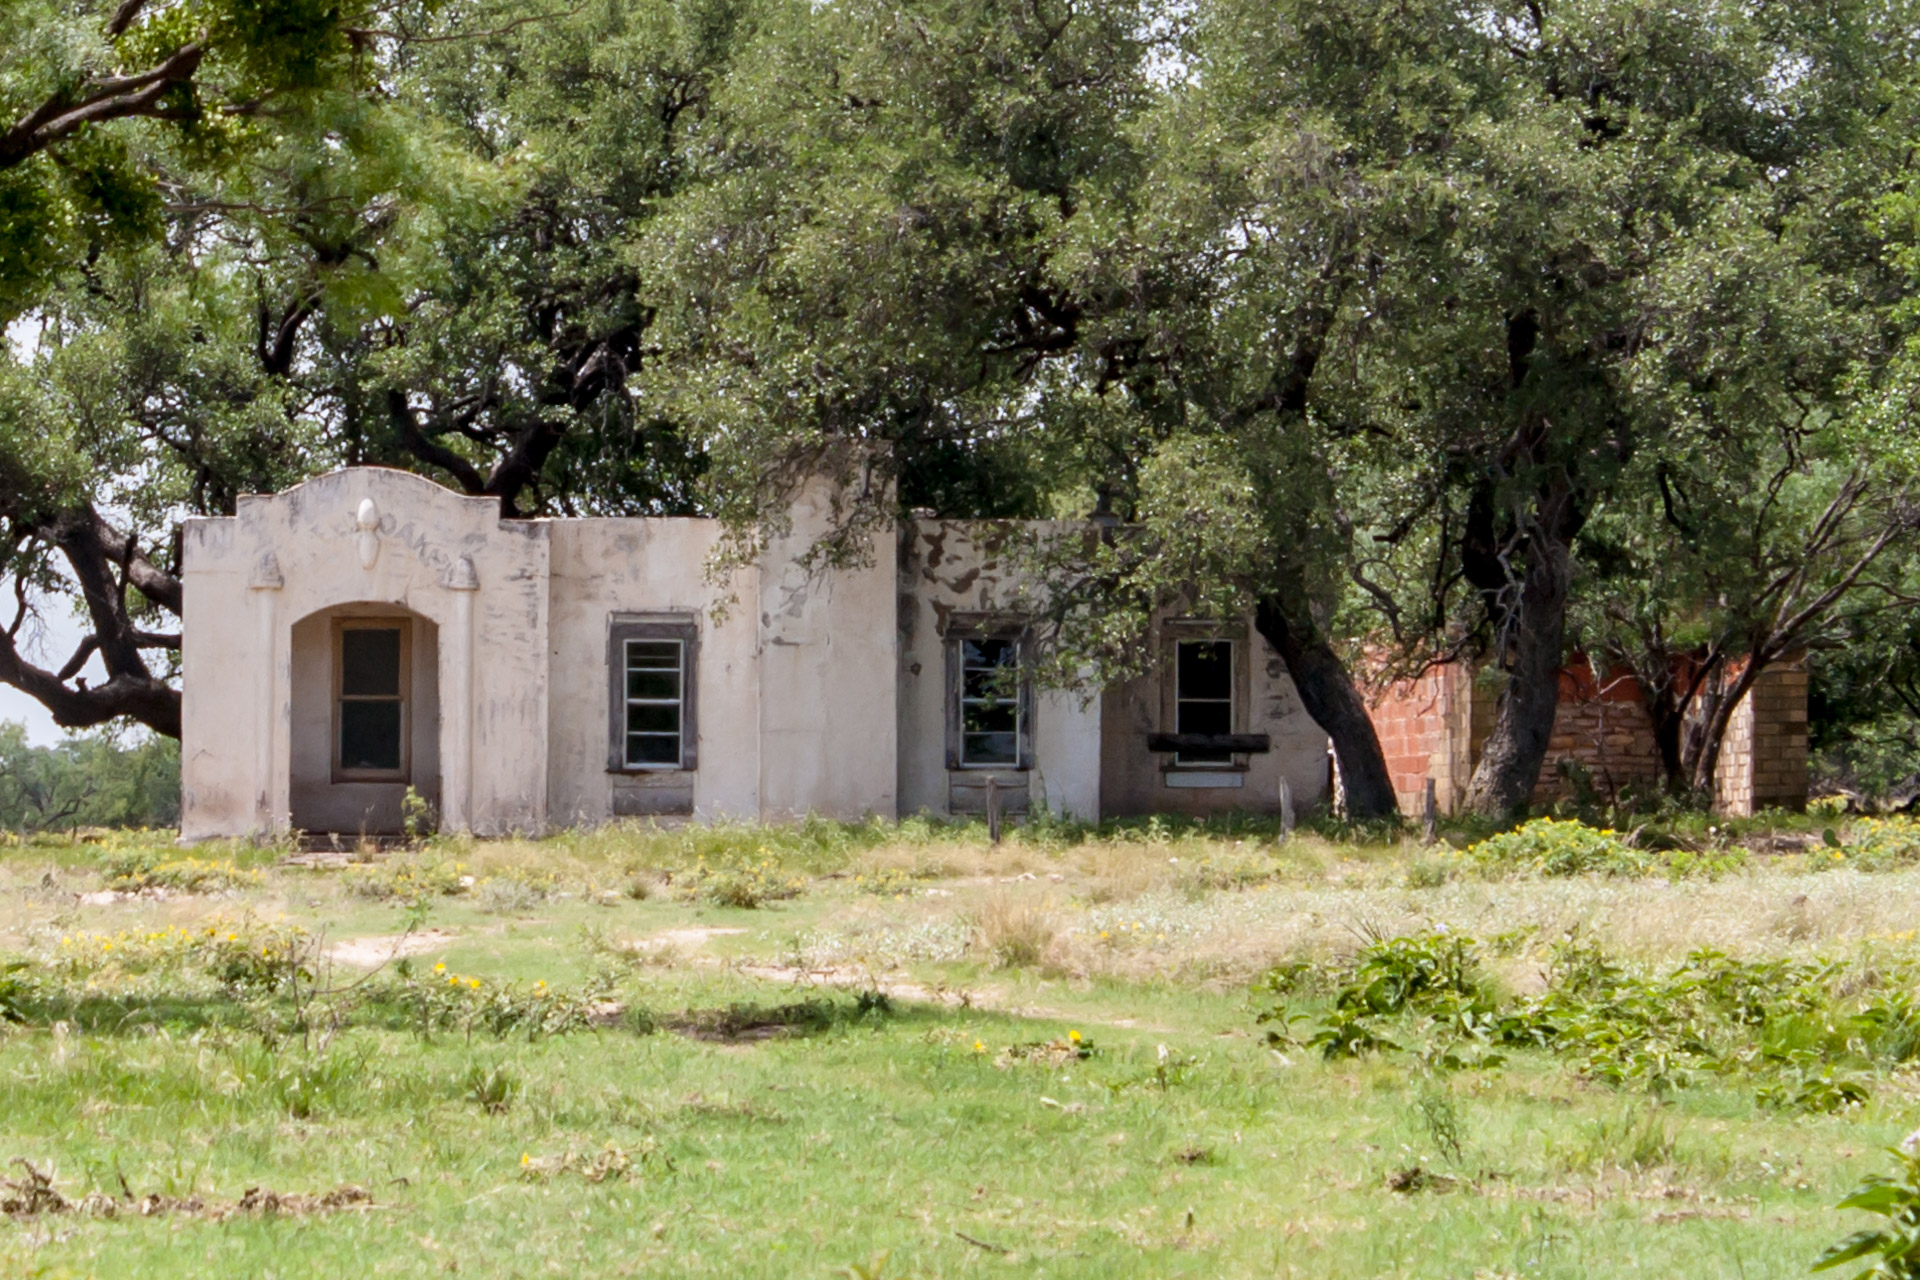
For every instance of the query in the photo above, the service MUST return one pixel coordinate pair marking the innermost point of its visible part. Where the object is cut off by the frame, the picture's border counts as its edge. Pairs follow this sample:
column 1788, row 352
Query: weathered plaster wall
column 829, row 721
column 948, row 567
column 606, row 567
column 280, row 558
column 221, row 791
column 1134, row 779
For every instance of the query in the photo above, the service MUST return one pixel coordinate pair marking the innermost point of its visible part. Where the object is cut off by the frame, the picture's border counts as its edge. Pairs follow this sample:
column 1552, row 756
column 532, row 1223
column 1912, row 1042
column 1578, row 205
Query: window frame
column 961, row 629
column 1195, row 631
column 339, row 629
column 626, row 628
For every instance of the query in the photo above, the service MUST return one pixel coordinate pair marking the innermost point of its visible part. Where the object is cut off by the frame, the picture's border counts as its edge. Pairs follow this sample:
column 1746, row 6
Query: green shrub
column 514, row 890
column 132, row 872
column 1774, row 1021
column 439, row 999
column 748, row 886
column 1550, row 847
column 1892, row 1251
column 1879, row 844
column 408, row 879
column 243, row 955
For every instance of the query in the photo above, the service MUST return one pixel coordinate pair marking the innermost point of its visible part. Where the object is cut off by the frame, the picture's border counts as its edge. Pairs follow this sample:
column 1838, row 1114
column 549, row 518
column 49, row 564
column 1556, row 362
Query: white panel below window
column 1201, row 778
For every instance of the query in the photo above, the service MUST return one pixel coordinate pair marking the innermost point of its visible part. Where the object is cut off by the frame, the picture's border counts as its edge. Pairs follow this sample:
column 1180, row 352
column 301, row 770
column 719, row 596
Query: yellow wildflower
column 1074, row 1036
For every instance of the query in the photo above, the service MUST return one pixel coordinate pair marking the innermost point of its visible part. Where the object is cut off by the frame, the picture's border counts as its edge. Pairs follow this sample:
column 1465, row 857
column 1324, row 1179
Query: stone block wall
column 1763, row 759
column 1601, row 730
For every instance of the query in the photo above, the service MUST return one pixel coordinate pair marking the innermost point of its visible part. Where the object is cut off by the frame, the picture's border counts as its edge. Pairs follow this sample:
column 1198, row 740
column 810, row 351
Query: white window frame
column 678, row 702
column 960, row 630
column 624, row 631
column 1014, row 699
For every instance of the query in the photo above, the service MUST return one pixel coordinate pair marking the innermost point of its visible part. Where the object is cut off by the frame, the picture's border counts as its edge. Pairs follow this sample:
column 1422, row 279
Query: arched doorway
column 365, row 710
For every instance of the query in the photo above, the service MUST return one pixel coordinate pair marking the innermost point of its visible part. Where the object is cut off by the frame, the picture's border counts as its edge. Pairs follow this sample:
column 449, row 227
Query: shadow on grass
column 128, row 1015
column 751, row 1022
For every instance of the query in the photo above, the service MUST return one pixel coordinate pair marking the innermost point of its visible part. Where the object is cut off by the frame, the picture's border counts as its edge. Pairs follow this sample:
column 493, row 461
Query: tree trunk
column 1706, row 761
column 1503, row 781
column 1670, row 697
column 1328, row 693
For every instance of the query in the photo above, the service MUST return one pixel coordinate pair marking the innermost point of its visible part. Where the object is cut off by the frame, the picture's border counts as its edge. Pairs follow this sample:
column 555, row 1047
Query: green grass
column 1184, row 1146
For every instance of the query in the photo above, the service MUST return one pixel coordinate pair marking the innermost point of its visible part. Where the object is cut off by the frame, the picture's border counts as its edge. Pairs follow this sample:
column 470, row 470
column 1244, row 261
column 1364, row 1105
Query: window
column 989, row 703
column 989, row 700
column 655, row 672
column 370, row 701
column 650, row 661
column 1203, row 696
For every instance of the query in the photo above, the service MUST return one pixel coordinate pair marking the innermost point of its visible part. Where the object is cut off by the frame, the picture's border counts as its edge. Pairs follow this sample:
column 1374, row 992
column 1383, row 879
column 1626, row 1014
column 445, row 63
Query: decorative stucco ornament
column 266, row 573
column 461, row 577
column 368, row 539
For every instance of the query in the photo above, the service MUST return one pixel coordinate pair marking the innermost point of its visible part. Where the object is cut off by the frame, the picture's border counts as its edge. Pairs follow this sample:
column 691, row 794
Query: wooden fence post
column 993, row 810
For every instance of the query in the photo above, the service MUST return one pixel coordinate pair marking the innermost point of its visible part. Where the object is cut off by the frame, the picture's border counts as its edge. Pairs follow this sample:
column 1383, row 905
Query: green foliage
column 492, row 1089
column 413, row 878
column 1778, row 1022
column 101, row 779
column 438, row 999
column 242, row 956
column 1397, row 973
column 1892, row 1251
column 745, row 885
column 16, row 989
column 132, row 872
column 1555, row 847
column 1881, row 844
column 1567, row 847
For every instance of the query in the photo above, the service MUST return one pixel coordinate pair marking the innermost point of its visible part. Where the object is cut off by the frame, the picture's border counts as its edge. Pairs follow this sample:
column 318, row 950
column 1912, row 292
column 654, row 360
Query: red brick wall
column 1433, row 726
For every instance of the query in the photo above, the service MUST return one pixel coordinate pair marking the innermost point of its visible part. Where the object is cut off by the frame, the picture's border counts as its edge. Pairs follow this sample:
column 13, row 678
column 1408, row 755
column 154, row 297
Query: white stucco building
column 370, row 632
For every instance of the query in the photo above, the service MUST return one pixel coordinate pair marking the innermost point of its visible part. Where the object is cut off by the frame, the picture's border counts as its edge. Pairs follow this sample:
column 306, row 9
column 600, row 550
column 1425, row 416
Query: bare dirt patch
column 375, row 950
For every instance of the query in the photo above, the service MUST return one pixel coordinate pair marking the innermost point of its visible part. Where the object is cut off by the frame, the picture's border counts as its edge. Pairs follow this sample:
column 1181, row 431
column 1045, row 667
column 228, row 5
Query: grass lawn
column 914, row 1056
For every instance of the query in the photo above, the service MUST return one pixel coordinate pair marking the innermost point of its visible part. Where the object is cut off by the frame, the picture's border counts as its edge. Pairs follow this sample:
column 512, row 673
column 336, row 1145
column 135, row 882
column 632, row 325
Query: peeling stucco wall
column 815, row 690
column 1135, row 781
column 445, row 558
column 829, row 719
column 603, row 568
column 949, row 567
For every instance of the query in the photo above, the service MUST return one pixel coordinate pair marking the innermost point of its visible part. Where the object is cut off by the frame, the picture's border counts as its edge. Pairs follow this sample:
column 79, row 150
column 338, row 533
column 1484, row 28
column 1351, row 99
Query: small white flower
column 1164, row 1055
column 1910, row 1145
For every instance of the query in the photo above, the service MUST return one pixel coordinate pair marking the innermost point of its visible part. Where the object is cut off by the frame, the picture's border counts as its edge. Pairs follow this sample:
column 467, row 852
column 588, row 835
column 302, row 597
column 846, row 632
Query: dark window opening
column 990, row 712
column 372, row 702
column 1203, row 695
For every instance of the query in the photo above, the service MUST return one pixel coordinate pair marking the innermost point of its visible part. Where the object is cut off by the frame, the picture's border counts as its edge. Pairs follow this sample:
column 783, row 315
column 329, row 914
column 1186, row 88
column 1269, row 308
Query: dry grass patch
column 1014, row 932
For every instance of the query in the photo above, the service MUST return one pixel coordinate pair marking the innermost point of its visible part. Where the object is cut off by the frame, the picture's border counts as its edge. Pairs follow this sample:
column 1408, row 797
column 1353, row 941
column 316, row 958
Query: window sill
column 1204, row 779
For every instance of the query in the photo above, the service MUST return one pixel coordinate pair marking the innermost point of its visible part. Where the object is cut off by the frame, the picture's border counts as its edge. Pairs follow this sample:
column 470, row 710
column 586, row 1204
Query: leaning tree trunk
column 1328, row 693
column 1509, row 767
column 1713, row 734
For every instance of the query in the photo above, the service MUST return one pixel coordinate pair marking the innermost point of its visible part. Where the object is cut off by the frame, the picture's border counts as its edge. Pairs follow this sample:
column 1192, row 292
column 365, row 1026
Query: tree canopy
column 1441, row 329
